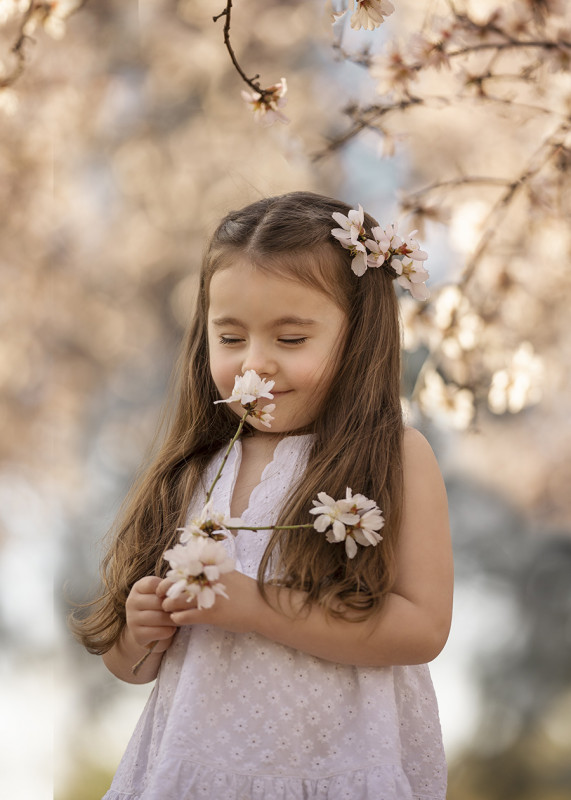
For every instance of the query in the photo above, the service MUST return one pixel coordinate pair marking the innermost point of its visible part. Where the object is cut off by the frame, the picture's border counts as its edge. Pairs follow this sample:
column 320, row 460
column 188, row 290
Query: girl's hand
column 146, row 620
column 237, row 614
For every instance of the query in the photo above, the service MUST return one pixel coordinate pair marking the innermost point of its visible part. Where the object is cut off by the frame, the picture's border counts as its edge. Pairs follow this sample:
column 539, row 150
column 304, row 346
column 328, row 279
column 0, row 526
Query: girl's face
column 286, row 331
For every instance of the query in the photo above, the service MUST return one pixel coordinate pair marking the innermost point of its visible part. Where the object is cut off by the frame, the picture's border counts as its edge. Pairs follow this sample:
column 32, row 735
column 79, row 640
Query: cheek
column 221, row 368
column 316, row 373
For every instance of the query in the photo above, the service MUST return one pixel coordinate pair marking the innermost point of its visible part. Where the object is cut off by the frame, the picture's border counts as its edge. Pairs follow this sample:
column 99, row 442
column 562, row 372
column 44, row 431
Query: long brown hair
column 357, row 438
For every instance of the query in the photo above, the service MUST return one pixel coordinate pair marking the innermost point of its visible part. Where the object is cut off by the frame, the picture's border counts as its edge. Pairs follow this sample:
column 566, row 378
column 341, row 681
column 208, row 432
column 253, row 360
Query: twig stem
column 251, row 82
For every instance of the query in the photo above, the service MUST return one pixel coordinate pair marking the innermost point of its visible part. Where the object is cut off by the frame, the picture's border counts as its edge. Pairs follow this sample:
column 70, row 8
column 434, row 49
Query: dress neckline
column 294, row 443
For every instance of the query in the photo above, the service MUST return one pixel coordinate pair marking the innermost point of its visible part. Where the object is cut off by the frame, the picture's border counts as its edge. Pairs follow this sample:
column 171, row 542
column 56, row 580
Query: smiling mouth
column 278, row 394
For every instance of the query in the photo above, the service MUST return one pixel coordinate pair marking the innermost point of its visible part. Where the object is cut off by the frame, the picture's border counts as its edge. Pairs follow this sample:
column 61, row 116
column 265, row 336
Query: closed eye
column 230, row 340
column 298, row 340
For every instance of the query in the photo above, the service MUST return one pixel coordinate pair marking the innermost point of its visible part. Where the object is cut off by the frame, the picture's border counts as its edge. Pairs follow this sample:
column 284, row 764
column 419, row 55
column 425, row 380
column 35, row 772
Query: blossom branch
column 437, row 52
column 39, row 11
column 227, row 453
column 547, row 150
column 253, row 81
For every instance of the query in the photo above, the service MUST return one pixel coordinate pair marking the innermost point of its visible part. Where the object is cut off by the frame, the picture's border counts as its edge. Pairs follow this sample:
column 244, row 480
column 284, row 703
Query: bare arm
column 413, row 625
column 146, row 623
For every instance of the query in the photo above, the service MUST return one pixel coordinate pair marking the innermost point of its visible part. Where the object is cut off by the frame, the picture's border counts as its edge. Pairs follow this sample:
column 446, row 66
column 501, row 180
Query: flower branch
column 511, row 69
column 49, row 14
column 265, row 103
column 252, row 82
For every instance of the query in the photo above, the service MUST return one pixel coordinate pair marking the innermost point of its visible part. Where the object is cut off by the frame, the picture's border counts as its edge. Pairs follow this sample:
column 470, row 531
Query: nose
column 259, row 358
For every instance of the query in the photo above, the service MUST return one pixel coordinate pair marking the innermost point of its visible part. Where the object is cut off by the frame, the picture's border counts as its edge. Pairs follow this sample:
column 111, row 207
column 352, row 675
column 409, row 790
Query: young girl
column 310, row 680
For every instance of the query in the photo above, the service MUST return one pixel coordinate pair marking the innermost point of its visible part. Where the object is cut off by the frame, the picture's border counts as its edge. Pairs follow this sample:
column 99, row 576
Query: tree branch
column 40, row 8
column 547, row 150
column 251, row 82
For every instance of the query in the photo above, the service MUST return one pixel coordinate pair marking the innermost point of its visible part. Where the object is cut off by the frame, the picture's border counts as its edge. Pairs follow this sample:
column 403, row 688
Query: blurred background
column 123, row 141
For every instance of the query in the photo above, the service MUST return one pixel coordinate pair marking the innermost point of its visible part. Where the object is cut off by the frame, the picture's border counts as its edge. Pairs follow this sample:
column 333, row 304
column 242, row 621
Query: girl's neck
column 260, row 444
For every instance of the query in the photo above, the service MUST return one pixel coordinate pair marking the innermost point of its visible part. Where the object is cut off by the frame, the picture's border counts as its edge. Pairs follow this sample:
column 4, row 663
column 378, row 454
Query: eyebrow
column 220, row 322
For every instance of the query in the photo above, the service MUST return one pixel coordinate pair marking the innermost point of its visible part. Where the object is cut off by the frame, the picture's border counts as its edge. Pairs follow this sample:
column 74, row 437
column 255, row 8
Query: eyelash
column 227, row 340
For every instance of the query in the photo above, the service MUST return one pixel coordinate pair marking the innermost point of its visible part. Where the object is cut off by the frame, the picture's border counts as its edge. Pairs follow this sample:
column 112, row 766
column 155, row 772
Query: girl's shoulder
column 419, row 460
column 415, row 442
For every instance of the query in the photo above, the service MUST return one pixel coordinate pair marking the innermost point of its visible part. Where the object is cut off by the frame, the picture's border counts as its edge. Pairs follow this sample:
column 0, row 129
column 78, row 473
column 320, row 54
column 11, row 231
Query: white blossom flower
column 354, row 520
column 519, row 385
column 393, row 72
column 209, row 523
column 351, row 235
column 379, row 248
column 410, row 247
column 266, row 106
column 369, row 14
column 335, row 514
column 248, row 389
column 366, row 532
column 411, row 276
column 196, row 568
column 359, row 260
column 432, row 50
column 446, row 403
column 371, row 520
column 351, row 230
column 264, row 415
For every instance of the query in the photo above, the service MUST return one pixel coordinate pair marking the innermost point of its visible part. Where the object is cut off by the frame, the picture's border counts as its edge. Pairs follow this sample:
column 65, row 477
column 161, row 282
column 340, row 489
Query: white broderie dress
column 239, row 717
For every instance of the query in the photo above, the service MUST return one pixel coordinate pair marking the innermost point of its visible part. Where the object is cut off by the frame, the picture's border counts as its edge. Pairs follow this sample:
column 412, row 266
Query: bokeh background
column 123, row 141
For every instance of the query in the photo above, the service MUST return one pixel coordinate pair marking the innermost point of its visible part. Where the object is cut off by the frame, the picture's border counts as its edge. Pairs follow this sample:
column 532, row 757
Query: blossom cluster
column 452, row 37
column 402, row 255
column 353, row 520
column 248, row 389
column 266, row 104
column 209, row 523
column 196, row 568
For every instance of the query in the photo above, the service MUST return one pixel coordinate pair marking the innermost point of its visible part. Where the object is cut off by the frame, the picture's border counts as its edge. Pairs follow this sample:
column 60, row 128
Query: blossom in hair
column 410, row 247
column 209, row 523
column 266, row 105
column 379, row 248
column 369, row 14
column 402, row 256
column 407, row 260
column 196, row 568
column 351, row 236
column 248, row 389
column 412, row 276
column 351, row 230
column 354, row 520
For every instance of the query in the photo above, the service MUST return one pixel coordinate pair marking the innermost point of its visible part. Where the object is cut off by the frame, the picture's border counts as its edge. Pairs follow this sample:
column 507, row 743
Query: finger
column 164, row 632
column 162, row 587
column 152, row 619
column 148, row 584
column 145, row 602
column 180, row 603
column 190, row 616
